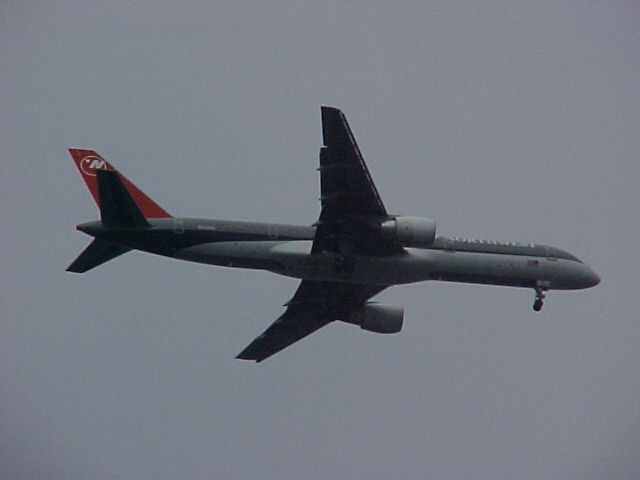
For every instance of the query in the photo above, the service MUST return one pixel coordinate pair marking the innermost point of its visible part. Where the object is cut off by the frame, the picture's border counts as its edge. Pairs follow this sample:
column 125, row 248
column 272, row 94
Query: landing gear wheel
column 539, row 302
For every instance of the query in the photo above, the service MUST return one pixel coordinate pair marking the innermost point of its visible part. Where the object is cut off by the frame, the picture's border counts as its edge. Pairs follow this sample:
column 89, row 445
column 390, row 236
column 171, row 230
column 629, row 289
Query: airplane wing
column 350, row 205
column 348, row 195
column 314, row 305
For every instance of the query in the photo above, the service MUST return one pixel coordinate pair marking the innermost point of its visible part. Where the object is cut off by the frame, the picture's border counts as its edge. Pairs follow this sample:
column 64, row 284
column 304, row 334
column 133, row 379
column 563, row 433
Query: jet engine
column 378, row 318
column 409, row 231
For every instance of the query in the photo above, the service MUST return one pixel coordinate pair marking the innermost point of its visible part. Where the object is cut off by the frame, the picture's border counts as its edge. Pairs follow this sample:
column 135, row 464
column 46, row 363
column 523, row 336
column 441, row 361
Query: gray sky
column 511, row 121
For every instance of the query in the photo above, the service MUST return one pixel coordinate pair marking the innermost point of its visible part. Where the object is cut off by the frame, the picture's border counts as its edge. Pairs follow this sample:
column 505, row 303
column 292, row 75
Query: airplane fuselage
column 352, row 252
column 286, row 250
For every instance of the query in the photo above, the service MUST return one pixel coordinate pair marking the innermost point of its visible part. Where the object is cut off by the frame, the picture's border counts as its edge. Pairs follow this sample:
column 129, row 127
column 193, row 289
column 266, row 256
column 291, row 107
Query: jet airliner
column 352, row 252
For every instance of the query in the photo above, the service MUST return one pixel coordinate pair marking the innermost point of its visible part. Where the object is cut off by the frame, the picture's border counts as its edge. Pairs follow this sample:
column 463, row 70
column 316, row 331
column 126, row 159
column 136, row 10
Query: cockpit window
column 567, row 255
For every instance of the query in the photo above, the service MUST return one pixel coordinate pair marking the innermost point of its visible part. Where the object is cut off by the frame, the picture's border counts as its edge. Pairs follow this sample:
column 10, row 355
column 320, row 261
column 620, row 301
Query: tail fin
column 121, row 204
column 89, row 163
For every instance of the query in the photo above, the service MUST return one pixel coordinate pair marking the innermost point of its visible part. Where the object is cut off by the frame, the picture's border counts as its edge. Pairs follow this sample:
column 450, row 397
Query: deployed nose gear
column 538, row 303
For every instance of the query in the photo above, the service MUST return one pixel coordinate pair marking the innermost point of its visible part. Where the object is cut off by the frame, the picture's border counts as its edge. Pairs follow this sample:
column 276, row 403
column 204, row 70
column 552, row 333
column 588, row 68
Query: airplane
column 351, row 253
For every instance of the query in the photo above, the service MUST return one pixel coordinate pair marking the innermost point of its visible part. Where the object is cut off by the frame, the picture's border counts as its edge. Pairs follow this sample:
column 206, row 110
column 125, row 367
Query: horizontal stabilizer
column 97, row 253
column 117, row 208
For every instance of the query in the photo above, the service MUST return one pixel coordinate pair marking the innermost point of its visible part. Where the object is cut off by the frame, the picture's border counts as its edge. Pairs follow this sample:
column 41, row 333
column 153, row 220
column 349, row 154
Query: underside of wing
column 346, row 184
column 351, row 205
column 352, row 212
column 286, row 330
column 314, row 305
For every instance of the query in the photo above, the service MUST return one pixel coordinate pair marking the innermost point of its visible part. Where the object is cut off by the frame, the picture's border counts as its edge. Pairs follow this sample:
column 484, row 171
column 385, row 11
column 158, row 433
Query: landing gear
column 539, row 301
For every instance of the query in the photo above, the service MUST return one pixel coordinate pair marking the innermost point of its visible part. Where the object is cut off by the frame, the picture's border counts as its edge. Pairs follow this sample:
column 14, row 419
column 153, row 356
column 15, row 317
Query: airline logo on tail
column 91, row 163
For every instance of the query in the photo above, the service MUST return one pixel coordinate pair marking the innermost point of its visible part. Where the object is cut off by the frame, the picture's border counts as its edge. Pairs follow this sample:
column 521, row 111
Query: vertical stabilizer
column 89, row 163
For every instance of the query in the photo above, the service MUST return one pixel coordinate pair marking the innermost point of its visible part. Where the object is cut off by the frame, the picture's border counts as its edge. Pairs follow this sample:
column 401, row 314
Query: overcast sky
column 508, row 121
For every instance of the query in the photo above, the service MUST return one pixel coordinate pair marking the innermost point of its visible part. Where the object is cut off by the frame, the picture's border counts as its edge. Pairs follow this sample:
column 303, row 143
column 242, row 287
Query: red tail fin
column 89, row 161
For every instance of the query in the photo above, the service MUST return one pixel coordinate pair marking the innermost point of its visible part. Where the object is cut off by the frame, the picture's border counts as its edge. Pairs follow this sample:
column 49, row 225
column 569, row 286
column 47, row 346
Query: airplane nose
column 591, row 278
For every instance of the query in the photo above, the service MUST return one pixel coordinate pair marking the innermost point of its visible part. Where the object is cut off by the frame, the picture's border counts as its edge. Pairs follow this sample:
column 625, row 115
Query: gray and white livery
column 355, row 250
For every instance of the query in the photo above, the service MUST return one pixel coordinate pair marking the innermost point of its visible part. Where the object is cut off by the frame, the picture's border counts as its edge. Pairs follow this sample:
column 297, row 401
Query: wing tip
column 326, row 110
column 248, row 357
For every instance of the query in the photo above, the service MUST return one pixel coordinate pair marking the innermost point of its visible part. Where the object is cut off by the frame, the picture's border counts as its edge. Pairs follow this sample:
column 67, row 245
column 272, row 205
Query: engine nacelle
column 379, row 318
column 410, row 231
